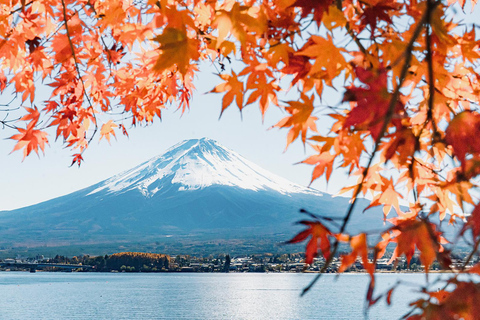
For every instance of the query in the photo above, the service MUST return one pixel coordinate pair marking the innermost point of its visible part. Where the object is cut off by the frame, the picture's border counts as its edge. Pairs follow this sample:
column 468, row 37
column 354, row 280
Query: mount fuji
column 196, row 188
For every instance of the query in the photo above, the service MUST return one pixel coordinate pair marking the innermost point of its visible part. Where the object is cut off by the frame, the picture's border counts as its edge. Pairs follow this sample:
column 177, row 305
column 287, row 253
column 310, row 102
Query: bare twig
column 472, row 253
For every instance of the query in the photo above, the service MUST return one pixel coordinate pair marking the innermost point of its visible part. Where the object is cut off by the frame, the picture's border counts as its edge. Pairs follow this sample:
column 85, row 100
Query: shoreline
column 236, row 272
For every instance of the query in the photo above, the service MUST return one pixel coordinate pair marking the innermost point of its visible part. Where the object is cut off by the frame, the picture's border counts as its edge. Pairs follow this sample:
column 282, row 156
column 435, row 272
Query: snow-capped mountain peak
column 197, row 164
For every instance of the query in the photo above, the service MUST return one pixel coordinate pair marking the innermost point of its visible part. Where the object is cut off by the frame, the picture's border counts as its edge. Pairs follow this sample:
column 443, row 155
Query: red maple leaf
column 319, row 239
column 375, row 12
column 77, row 158
column 319, row 7
column 371, row 103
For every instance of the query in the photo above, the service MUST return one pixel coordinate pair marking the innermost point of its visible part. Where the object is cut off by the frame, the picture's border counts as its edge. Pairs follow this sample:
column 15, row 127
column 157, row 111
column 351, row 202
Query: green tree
column 226, row 266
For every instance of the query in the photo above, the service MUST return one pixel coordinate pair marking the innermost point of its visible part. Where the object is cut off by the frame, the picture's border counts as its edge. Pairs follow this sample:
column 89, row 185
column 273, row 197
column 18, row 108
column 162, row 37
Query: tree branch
column 77, row 67
column 396, row 94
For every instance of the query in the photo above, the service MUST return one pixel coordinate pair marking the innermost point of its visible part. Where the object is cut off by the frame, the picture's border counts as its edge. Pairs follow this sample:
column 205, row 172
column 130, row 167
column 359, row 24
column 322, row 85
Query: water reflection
column 195, row 296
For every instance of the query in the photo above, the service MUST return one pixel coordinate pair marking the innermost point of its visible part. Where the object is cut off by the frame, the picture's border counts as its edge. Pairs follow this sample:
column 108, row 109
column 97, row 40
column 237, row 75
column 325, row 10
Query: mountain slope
column 196, row 188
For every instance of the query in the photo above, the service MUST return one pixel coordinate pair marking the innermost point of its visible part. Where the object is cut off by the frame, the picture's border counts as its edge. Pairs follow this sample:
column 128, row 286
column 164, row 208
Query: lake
column 44, row 295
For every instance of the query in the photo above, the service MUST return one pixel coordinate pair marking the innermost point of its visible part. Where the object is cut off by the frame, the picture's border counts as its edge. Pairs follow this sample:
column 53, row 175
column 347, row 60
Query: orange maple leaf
column 234, row 90
column 33, row 115
column 301, row 119
column 388, row 196
column 409, row 232
column 319, row 239
column 359, row 247
column 329, row 61
column 30, row 139
column 459, row 303
column 176, row 49
column 107, row 130
column 323, row 164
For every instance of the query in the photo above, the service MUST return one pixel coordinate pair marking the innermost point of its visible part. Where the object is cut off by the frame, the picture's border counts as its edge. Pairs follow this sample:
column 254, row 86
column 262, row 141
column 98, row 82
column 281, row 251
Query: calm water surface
column 89, row 296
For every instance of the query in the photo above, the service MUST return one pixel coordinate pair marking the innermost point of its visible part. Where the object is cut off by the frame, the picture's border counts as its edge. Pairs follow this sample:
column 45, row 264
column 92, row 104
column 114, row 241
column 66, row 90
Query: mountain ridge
column 196, row 188
column 200, row 157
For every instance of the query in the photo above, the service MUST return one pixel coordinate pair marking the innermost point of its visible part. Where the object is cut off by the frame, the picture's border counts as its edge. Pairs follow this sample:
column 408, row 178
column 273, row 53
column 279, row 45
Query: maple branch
column 316, row 217
column 7, row 104
column 5, row 122
column 472, row 253
column 109, row 55
column 390, row 112
column 21, row 8
column 429, row 57
column 396, row 94
column 78, row 68
column 292, row 33
column 350, row 31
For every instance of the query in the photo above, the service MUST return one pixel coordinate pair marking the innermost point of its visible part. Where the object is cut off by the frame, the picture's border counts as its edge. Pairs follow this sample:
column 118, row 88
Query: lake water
column 45, row 295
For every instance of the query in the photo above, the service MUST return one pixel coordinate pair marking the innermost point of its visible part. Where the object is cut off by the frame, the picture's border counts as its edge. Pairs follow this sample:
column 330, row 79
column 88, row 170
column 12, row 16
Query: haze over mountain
column 196, row 188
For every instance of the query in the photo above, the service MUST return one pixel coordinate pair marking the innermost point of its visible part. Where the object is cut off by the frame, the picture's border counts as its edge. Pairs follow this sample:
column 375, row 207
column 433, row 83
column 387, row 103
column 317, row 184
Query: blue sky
column 41, row 178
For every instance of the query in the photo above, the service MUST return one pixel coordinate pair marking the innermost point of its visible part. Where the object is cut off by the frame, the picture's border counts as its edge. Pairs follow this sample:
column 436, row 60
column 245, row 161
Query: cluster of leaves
column 406, row 124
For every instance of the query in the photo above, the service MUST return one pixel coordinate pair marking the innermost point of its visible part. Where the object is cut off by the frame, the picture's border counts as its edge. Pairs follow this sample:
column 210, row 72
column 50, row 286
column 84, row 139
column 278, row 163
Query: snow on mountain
column 196, row 189
column 197, row 164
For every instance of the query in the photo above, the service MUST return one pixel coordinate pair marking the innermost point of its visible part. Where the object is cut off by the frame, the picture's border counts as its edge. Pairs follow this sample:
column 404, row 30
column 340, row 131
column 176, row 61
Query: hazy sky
column 41, row 178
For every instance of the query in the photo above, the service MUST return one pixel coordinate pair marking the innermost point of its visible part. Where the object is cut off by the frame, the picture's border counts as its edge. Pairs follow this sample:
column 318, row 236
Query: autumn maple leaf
column 329, row 61
column 301, row 119
column 371, row 103
column 30, row 140
column 240, row 22
column 387, row 196
column 377, row 10
column 299, row 65
column 33, row 115
column 64, row 121
column 77, row 158
column 402, row 146
column 176, row 49
column 319, row 7
column 234, row 90
column 460, row 301
column 359, row 247
column 462, row 134
column 319, row 239
column 410, row 232
column 115, row 53
column 107, row 130
column 323, row 162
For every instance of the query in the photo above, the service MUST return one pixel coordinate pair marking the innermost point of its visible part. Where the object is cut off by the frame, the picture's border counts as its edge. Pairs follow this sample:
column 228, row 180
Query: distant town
column 151, row 262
